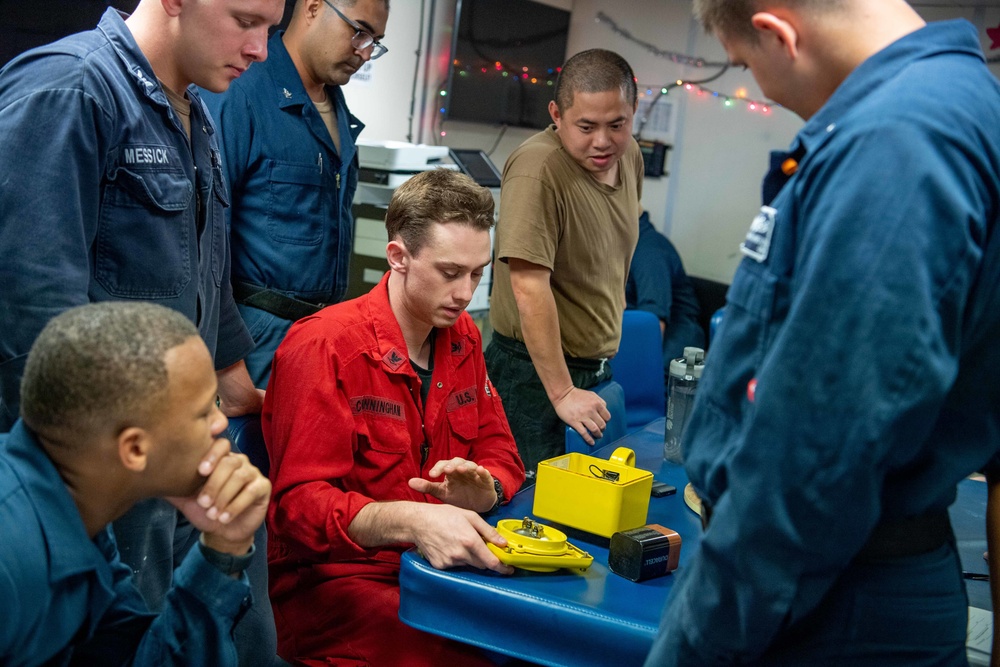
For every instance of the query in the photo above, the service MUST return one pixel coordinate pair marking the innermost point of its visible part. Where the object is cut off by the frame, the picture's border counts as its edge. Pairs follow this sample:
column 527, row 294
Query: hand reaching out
column 583, row 411
column 466, row 485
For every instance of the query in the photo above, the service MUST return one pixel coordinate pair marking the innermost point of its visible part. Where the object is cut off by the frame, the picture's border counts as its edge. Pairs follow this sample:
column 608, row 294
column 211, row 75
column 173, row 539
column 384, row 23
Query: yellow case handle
column 624, row 456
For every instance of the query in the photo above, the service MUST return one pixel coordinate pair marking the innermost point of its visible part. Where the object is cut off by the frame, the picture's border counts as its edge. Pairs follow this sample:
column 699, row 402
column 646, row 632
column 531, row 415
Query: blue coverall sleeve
column 235, row 125
column 230, row 113
column 195, row 625
column 849, row 384
column 235, row 341
column 50, row 172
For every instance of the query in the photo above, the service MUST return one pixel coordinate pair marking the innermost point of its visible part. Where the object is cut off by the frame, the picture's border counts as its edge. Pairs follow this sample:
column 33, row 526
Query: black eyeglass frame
column 362, row 38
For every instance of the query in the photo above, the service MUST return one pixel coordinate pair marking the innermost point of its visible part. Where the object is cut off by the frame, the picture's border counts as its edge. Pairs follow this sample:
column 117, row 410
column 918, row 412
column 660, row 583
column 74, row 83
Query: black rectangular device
column 661, row 489
column 654, row 158
column 476, row 164
column 643, row 553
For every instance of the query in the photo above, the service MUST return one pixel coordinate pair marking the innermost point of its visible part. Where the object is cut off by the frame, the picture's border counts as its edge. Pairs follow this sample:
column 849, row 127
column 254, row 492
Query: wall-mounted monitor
column 505, row 57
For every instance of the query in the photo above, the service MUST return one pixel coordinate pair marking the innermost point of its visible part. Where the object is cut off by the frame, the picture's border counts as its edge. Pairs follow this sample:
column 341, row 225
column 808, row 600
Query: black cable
column 438, row 123
column 601, row 473
column 503, row 130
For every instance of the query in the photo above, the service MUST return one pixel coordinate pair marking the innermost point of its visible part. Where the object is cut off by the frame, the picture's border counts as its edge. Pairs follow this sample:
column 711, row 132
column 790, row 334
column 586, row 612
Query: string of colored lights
column 728, row 101
column 735, row 100
column 548, row 77
column 525, row 75
column 497, row 68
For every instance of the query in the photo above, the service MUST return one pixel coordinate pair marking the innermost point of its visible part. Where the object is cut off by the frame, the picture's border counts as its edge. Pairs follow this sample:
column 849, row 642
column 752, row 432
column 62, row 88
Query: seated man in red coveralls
column 384, row 432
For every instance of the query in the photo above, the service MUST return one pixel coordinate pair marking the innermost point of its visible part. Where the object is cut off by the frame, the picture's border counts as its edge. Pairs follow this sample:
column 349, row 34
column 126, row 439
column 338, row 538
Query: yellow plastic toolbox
column 596, row 495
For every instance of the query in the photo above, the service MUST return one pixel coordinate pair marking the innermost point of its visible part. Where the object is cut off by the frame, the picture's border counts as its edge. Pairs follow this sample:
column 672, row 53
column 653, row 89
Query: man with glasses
column 289, row 154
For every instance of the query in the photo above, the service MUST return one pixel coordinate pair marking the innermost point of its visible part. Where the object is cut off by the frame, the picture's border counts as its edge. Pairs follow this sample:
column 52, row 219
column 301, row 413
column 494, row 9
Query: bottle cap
column 694, row 355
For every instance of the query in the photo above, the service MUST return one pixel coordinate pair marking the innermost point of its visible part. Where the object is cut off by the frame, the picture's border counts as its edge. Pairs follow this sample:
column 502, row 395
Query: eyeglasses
column 362, row 38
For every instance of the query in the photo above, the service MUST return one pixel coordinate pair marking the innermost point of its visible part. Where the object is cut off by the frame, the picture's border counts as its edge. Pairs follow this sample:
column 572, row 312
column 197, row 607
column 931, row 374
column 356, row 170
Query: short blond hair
column 732, row 18
column 436, row 196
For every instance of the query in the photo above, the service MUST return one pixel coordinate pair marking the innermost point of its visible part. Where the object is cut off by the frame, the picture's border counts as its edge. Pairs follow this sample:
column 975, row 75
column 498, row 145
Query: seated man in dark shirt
column 118, row 405
column 657, row 283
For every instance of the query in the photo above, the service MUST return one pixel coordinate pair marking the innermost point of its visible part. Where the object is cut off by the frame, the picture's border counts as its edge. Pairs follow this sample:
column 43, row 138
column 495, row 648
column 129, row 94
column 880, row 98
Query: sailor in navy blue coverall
column 853, row 381
column 292, row 176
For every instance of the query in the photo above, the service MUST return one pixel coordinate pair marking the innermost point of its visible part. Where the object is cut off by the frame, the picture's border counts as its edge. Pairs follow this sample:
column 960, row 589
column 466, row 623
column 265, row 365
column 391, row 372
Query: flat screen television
column 505, row 57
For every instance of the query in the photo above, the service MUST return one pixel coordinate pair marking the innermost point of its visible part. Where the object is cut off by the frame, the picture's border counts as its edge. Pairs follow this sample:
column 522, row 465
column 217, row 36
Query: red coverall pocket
column 388, row 436
column 464, row 424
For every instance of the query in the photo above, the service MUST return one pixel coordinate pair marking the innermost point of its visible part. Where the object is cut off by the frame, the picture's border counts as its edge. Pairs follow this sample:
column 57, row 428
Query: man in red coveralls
column 385, row 432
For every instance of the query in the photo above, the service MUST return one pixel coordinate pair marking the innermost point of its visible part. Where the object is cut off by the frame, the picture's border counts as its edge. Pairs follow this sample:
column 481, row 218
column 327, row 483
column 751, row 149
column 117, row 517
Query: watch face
column 499, row 489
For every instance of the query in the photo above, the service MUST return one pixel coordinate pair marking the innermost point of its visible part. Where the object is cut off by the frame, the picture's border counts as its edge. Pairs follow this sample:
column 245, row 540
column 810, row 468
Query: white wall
column 719, row 156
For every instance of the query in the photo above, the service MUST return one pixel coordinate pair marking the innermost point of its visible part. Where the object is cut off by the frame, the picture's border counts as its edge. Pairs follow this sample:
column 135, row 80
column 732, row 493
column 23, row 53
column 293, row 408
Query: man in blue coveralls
column 289, row 154
column 111, row 189
column 852, row 383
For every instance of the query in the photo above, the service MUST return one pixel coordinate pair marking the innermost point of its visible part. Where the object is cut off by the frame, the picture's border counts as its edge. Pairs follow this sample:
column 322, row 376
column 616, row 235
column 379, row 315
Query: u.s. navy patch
column 461, row 398
column 758, row 241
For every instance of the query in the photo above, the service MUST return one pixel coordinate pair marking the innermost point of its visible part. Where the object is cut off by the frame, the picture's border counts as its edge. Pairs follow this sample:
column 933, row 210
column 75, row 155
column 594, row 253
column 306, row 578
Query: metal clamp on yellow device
column 532, row 546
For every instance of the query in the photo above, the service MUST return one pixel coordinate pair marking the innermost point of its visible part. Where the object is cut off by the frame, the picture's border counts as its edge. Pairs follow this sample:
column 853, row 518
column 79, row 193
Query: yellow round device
column 532, row 546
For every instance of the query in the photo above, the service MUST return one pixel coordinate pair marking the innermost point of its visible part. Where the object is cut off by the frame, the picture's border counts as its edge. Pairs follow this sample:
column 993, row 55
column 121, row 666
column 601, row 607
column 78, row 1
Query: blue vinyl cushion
column 638, row 368
column 246, row 435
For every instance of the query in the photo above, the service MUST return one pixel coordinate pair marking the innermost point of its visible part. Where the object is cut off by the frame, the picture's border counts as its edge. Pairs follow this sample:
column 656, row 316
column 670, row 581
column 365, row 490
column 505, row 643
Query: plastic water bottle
column 684, row 375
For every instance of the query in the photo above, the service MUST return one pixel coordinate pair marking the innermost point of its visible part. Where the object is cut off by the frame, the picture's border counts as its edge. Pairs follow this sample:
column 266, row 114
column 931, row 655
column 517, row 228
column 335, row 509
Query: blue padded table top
column 597, row 617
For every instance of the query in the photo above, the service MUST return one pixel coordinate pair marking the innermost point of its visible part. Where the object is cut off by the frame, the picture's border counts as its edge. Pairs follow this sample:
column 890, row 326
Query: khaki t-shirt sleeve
column 528, row 228
column 640, row 171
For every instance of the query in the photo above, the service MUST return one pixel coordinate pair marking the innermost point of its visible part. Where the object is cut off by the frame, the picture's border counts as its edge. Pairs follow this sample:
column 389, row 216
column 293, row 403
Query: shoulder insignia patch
column 758, row 241
column 393, row 360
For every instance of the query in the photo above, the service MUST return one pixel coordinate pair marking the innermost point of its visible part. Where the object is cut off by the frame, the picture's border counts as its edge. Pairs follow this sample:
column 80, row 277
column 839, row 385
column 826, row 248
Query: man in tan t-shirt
column 569, row 210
